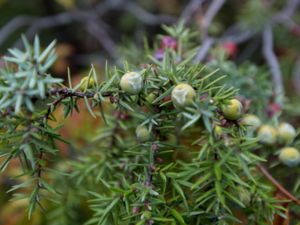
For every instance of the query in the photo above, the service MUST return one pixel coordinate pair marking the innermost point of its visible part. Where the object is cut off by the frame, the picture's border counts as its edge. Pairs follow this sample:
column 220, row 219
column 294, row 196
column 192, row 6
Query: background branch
column 203, row 50
column 96, row 30
column 190, row 9
column 285, row 192
column 273, row 63
column 36, row 24
column 296, row 76
column 211, row 12
column 146, row 17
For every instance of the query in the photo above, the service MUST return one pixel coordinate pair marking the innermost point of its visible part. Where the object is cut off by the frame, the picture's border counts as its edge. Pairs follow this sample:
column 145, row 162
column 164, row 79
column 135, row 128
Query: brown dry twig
column 285, row 192
column 66, row 93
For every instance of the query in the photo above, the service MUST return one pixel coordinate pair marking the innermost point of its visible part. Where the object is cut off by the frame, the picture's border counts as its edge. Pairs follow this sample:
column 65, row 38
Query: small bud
column 183, row 95
column 87, row 83
column 230, row 49
column 168, row 42
column 244, row 195
column 232, row 110
column 113, row 99
column 251, row 121
column 218, row 131
column 286, row 133
column 151, row 97
column 96, row 96
column 154, row 147
column 267, row 134
column 135, row 210
column 159, row 160
column 146, row 215
column 142, row 134
column 289, row 156
column 131, row 83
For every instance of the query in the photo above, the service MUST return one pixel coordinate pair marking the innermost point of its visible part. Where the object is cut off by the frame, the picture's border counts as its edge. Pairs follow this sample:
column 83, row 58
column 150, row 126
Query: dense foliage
column 176, row 146
column 196, row 125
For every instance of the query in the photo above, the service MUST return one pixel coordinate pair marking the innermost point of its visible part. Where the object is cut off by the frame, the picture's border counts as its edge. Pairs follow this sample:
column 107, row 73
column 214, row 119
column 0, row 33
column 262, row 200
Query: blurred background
column 265, row 32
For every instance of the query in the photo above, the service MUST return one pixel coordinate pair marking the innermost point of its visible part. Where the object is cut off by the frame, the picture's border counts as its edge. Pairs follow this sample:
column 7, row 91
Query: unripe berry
column 244, row 195
column 251, row 121
column 151, row 97
column 232, row 110
column 87, row 83
column 131, row 83
column 183, row 95
column 286, row 133
column 267, row 134
column 289, row 156
column 146, row 215
column 142, row 134
column 218, row 131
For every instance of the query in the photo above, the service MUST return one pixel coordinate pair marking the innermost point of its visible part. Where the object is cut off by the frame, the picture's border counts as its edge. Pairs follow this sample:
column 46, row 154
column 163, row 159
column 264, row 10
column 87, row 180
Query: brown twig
column 70, row 93
column 285, row 192
column 65, row 93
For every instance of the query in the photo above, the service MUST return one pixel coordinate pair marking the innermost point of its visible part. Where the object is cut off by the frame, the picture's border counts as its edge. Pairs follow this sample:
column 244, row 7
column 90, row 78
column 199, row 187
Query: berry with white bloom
column 289, row 156
column 131, row 83
column 267, row 134
column 251, row 121
column 142, row 134
column 183, row 95
column 286, row 133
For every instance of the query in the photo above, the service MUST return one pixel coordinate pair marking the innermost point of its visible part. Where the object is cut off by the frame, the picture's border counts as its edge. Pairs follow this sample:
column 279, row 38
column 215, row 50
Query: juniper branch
column 66, row 93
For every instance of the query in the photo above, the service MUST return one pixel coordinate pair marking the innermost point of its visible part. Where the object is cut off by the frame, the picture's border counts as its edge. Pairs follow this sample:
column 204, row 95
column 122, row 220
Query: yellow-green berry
column 142, row 134
column 286, row 133
column 131, row 83
column 151, row 97
column 87, row 83
column 251, row 121
column 267, row 134
column 146, row 215
column 183, row 95
column 232, row 110
column 218, row 131
column 244, row 195
column 289, row 156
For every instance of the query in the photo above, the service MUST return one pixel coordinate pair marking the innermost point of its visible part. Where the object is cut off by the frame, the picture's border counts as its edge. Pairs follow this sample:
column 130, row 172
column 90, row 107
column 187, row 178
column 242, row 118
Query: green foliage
column 183, row 174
